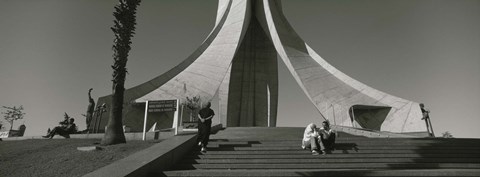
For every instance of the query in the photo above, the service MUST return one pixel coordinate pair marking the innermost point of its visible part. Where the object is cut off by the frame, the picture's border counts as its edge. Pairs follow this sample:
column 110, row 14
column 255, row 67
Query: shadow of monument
column 344, row 148
column 441, row 153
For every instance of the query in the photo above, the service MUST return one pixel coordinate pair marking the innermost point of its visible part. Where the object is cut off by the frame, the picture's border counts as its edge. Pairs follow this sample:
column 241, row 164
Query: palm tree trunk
column 114, row 132
column 124, row 27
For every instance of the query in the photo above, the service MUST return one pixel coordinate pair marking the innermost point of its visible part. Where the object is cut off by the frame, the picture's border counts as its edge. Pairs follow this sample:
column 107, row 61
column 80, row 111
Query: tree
column 13, row 114
column 447, row 134
column 123, row 28
column 193, row 105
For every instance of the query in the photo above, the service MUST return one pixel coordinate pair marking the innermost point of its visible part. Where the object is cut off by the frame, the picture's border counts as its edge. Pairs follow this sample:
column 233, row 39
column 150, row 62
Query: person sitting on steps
column 63, row 130
column 327, row 137
column 311, row 139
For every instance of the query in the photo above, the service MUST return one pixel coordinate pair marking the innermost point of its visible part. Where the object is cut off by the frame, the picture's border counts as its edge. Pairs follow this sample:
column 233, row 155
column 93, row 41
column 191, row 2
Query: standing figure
column 90, row 109
column 426, row 117
column 204, row 126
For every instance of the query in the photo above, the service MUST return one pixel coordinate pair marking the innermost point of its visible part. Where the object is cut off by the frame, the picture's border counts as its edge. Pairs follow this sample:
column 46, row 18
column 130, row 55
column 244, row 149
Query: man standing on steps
column 204, row 126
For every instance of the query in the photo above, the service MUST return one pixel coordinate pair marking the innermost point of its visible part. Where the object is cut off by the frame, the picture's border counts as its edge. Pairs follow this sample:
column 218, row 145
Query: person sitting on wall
column 63, row 131
column 63, row 123
column 327, row 137
column 310, row 139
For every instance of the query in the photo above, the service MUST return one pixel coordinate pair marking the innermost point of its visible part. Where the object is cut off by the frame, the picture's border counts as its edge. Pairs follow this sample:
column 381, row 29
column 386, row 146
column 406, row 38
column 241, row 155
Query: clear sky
column 53, row 51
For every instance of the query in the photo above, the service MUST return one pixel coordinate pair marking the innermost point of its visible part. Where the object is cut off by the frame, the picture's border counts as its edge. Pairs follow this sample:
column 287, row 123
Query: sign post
column 145, row 121
column 175, row 118
column 161, row 106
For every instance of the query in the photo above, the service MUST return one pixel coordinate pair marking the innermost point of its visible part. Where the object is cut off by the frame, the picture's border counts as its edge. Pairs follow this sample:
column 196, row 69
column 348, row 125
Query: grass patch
column 60, row 157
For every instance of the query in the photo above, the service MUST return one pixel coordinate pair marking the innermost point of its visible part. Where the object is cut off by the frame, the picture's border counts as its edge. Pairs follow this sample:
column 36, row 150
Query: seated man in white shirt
column 311, row 138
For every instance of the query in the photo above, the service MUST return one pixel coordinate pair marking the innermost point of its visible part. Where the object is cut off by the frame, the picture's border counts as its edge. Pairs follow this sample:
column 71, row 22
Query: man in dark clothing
column 327, row 137
column 63, row 131
column 204, row 126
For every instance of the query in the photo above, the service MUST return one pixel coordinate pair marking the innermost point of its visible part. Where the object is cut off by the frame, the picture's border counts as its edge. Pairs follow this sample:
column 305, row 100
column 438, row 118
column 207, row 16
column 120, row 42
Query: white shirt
column 310, row 132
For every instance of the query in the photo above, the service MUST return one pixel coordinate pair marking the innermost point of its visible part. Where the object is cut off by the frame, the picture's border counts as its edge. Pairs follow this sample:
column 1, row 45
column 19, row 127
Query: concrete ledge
column 151, row 161
column 373, row 133
column 128, row 136
column 89, row 148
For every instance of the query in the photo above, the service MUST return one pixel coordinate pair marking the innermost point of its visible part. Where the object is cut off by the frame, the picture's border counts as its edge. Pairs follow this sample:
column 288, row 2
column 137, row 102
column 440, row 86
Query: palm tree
column 123, row 28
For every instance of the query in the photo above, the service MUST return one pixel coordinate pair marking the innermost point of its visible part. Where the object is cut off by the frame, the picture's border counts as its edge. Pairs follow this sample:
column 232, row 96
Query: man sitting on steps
column 310, row 139
column 324, row 137
column 327, row 136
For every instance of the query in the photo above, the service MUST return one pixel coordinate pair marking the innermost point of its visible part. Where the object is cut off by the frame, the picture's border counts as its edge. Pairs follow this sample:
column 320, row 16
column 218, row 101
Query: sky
column 53, row 51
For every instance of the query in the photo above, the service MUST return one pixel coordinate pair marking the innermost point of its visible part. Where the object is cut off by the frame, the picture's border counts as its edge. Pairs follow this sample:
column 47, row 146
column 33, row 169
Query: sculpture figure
column 91, row 107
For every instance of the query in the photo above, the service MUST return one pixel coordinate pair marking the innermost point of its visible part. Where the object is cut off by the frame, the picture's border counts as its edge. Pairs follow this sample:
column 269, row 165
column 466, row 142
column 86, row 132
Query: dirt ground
column 60, row 157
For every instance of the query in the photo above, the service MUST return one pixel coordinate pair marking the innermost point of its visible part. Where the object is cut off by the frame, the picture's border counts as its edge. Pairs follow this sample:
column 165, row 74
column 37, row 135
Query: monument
column 238, row 61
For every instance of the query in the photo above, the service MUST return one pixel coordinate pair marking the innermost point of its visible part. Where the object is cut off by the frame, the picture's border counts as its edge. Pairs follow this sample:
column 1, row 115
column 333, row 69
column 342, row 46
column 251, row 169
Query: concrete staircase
column 277, row 152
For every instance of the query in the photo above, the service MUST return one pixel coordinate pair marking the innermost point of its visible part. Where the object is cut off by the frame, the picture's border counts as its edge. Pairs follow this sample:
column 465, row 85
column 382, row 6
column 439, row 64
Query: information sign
column 4, row 134
column 162, row 105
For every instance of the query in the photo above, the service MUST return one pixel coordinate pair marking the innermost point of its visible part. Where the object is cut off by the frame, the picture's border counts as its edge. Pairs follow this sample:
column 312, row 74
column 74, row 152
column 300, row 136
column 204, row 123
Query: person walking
column 204, row 126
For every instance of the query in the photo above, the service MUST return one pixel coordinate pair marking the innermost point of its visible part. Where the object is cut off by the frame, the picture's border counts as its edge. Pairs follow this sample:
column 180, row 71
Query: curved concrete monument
column 238, row 61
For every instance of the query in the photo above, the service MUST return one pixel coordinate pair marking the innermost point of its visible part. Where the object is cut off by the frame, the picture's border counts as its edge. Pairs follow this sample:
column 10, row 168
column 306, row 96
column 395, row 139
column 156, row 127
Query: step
column 208, row 155
column 360, row 142
column 328, row 172
column 440, row 141
column 299, row 138
column 342, row 147
column 361, row 151
column 331, row 160
column 432, row 141
column 332, row 166
column 265, row 152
